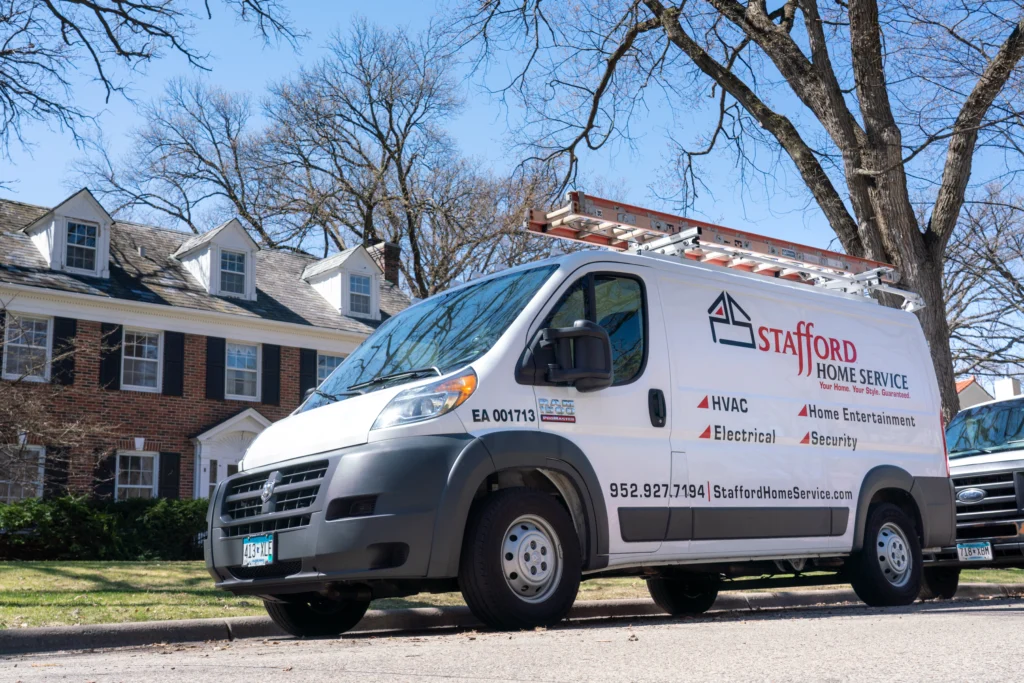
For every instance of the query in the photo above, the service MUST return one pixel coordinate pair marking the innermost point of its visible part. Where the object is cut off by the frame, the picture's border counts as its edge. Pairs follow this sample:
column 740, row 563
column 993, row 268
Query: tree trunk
column 928, row 283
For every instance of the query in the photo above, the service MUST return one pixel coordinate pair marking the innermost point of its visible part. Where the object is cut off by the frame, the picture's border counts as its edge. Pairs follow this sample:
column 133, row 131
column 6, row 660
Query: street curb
column 52, row 639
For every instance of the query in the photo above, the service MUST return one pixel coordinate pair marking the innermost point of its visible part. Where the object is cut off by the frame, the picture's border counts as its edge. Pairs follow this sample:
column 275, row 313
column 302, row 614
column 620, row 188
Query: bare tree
column 984, row 287
column 354, row 150
column 195, row 161
column 876, row 106
column 43, row 43
column 28, row 417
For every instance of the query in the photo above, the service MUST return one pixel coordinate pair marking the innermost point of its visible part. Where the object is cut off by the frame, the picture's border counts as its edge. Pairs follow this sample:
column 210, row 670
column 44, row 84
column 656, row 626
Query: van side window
column 616, row 303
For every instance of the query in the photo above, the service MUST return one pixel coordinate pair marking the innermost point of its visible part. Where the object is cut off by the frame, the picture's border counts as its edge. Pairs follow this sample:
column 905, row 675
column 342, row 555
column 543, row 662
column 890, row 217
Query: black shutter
column 216, row 348
column 307, row 371
column 271, row 375
column 111, row 337
column 3, row 335
column 62, row 369
column 174, row 364
column 103, row 476
column 170, row 475
column 55, row 472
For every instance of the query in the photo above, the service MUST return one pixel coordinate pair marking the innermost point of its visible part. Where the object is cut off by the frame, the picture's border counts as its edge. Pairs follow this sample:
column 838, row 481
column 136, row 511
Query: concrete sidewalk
column 24, row 640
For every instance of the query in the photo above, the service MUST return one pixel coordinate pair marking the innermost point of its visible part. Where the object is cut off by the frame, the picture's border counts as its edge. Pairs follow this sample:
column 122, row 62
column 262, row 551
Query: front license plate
column 258, row 551
column 974, row 552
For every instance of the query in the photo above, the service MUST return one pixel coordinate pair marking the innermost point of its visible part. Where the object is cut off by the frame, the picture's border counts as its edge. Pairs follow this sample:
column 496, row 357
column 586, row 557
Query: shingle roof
column 158, row 278
column 964, row 383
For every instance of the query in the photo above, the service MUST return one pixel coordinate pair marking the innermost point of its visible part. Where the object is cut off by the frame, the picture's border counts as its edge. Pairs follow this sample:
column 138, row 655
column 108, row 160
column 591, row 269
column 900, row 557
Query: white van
column 597, row 414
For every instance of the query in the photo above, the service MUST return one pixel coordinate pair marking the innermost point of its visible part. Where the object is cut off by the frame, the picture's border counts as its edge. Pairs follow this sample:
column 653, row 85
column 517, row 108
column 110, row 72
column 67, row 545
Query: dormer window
column 81, row 246
column 232, row 273
column 74, row 236
column 360, row 294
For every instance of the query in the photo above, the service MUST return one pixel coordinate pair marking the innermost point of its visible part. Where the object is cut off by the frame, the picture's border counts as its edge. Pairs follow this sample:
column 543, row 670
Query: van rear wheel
column 887, row 570
column 520, row 565
column 316, row 617
column 679, row 597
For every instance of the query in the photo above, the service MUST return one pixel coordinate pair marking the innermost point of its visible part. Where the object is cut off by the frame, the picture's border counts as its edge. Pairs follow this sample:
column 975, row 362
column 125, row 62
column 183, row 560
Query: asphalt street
column 974, row 641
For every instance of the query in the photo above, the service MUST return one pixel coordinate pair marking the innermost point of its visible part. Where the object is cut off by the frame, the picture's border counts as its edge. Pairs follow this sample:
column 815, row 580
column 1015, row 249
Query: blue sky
column 239, row 61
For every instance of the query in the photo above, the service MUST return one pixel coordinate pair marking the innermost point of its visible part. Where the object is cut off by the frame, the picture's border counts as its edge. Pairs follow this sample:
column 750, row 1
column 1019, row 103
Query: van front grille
column 267, row 525
column 295, row 488
column 987, row 518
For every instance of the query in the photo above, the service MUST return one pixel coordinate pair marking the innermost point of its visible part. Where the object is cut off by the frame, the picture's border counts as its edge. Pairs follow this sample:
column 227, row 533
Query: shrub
column 73, row 528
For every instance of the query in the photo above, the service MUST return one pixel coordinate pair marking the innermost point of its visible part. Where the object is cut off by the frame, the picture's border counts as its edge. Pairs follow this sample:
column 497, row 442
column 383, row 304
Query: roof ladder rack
column 622, row 227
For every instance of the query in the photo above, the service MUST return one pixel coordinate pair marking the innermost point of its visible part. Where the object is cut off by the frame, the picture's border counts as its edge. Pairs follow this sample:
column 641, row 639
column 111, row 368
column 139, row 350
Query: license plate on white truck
column 258, row 551
column 974, row 552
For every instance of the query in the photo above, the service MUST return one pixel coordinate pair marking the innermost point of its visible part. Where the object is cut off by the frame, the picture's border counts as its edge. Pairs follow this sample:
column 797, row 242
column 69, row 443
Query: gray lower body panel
column 706, row 524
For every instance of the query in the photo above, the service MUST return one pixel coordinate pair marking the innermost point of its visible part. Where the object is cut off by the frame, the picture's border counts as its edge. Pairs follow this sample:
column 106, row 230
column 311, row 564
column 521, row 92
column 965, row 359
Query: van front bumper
column 358, row 514
column 998, row 518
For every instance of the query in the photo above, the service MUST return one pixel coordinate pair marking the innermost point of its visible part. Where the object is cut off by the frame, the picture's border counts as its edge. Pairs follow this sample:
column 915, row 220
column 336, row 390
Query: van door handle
column 656, row 406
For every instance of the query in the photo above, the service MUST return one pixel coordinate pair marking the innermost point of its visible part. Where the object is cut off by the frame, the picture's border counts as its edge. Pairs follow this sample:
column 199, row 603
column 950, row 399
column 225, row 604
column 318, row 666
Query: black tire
column 487, row 553
column 680, row 597
column 887, row 571
column 939, row 583
column 316, row 617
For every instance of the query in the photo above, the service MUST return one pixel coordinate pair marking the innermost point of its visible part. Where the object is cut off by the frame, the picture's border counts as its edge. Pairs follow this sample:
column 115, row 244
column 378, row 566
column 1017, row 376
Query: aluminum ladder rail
column 623, row 227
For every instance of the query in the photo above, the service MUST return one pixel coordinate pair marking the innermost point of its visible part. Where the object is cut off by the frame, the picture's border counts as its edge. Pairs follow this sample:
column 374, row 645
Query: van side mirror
column 580, row 356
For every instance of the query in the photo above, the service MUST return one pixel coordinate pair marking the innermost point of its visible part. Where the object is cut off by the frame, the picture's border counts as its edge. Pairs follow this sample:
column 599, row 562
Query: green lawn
column 66, row 593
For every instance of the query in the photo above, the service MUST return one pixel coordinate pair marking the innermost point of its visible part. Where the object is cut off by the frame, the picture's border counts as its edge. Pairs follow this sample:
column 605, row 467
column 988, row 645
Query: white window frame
column 49, row 347
column 96, row 256
column 41, row 453
column 351, row 293
column 159, row 360
column 321, row 354
column 245, row 272
column 153, row 455
column 259, row 371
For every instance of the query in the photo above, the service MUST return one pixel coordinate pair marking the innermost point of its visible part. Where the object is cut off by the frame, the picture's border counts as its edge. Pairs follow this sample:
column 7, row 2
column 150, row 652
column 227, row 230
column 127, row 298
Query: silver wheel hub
column 894, row 557
column 531, row 558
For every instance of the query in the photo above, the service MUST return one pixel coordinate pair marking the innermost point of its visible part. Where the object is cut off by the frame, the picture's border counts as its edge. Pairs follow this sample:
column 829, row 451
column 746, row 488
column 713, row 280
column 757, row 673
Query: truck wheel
column 520, row 564
column 316, row 617
column 887, row 571
column 939, row 582
column 679, row 597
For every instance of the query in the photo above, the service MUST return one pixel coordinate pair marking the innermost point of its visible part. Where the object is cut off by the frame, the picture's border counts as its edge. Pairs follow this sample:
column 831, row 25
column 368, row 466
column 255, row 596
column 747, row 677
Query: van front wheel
column 679, row 597
column 887, row 570
column 316, row 617
column 520, row 564
column 939, row 583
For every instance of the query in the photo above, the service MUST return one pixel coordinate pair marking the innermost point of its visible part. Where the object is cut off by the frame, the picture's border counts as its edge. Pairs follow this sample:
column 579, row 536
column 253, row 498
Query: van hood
column 1007, row 456
column 327, row 428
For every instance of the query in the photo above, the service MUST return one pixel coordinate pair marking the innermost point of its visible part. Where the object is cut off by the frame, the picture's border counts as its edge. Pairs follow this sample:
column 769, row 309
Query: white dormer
column 349, row 281
column 74, row 236
column 223, row 260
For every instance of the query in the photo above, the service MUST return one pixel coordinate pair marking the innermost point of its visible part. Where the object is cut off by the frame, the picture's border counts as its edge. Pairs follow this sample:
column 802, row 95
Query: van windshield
column 443, row 333
column 986, row 429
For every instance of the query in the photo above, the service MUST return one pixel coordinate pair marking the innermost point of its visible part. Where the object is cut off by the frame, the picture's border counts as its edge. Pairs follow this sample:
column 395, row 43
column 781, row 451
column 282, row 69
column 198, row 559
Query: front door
column 219, row 459
column 613, row 426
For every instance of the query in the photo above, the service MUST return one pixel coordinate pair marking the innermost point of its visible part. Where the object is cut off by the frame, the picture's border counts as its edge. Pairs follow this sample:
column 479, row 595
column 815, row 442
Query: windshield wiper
column 970, row 451
column 334, row 398
column 405, row 374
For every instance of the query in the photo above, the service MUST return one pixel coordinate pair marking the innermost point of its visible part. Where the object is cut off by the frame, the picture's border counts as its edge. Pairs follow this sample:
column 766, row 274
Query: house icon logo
column 730, row 324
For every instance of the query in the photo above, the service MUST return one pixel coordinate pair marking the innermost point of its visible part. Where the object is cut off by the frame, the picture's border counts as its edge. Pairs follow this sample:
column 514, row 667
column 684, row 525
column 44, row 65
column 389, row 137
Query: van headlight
column 427, row 402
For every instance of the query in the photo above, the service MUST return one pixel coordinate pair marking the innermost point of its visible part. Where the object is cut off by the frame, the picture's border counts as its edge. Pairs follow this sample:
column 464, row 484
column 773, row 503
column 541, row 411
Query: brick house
column 188, row 346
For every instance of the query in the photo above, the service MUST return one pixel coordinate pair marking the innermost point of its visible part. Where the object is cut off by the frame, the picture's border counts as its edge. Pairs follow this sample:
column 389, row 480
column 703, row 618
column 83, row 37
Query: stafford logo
column 971, row 496
column 730, row 324
column 268, row 488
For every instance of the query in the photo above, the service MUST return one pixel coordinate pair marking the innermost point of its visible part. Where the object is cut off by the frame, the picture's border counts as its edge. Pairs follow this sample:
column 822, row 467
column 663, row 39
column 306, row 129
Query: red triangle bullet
column 704, row 403
column 803, row 411
column 806, row 439
column 707, row 433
